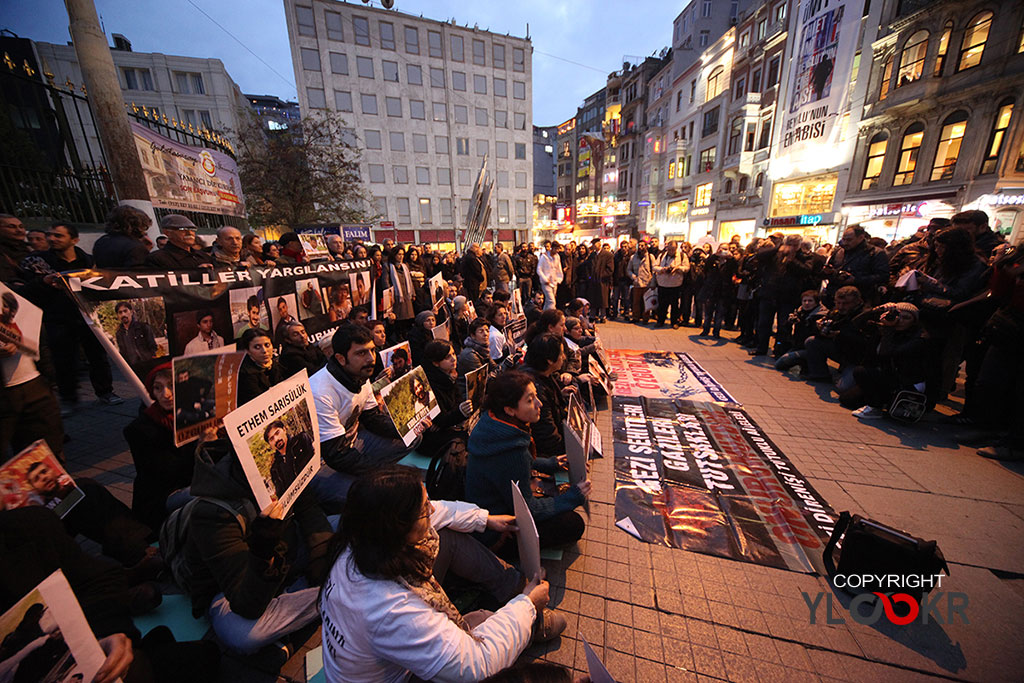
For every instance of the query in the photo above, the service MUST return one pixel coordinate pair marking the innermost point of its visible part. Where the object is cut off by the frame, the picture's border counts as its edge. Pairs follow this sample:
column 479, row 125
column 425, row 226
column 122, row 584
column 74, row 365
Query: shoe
column 1004, row 452
column 675, row 326
column 548, row 626
column 705, row 332
column 716, row 334
column 868, row 413
column 757, row 352
column 111, row 399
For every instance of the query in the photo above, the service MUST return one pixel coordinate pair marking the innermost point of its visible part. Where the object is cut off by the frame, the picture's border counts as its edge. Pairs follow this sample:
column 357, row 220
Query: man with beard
column 252, row 313
column 135, row 339
column 49, row 487
column 291, row 453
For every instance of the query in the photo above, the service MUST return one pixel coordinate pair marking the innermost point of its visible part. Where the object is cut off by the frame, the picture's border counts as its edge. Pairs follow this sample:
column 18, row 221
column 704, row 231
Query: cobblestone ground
column 660, row 614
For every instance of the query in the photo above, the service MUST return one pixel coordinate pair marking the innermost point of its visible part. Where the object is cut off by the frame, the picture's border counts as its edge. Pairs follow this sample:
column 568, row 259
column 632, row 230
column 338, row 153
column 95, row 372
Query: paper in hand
column 527, row 537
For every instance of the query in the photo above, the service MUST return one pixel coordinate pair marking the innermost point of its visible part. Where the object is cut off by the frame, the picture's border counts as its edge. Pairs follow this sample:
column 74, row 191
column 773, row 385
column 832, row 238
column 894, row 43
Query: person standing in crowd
column 290, row 247
column 668, row 274
column 227, row 248
column 783, row 275
column 121, row 246
column 252, row 251
column 976, row 223
column 858, row 264
column 13, row 247
column 497, row 344
column 602, row 271
column 260, row 369
column 36, row 238
column 297, row 353
column 718, row 291
column 504, row 271
column 549, row 272
column 640, row 272
column 135, row 339
column 746, row 294
column 66, row 331
column 385, row 612
column 418, row 273
column 501, row 450
column 179, row 252
column 420, row 334
column 474, row 274
column 526, row 270
column 397, row 275
column 207, row 339
column 620, row 300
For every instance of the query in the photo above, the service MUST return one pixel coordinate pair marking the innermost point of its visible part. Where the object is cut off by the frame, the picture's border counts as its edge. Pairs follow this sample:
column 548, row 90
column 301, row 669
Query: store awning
column 903, row 197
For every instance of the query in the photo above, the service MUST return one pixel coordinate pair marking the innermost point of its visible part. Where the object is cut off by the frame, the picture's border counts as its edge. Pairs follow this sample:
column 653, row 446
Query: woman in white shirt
column 385, row 614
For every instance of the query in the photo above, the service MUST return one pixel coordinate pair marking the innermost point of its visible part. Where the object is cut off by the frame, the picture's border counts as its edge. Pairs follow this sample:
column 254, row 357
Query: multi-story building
column 700, row 24
column 428, row 102
column 590, row 144
column 651, row 193
column 943, row 126
column 544, row 177
column 196, row 91
column 565, row 159
column 274, row 113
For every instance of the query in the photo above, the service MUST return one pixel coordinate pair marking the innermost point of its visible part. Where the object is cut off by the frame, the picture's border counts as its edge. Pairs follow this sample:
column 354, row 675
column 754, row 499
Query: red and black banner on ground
column 704, row 477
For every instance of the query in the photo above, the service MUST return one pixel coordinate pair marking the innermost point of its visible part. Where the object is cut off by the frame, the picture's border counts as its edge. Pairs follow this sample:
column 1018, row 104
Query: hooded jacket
column 501, row 452
column 250, row 566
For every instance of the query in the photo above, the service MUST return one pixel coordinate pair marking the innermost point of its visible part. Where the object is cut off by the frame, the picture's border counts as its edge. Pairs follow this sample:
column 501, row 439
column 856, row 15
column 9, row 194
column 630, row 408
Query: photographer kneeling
column 898, row 362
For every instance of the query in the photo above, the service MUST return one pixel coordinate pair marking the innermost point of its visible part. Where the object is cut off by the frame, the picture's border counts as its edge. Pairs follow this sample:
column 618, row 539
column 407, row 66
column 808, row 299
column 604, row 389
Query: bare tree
column 307, row 173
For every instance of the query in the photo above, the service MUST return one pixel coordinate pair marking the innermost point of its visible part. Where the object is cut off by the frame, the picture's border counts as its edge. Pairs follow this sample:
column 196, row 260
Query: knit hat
column 151, row 376
column 905, row 307
column 422, row 316
column 458, row 303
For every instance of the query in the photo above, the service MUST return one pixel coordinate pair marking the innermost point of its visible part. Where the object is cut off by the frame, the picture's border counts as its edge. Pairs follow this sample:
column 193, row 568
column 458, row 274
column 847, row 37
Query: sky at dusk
column 596, row 35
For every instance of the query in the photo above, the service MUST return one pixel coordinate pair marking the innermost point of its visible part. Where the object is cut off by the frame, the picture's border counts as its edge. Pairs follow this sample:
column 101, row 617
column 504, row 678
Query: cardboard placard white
column 527, row 536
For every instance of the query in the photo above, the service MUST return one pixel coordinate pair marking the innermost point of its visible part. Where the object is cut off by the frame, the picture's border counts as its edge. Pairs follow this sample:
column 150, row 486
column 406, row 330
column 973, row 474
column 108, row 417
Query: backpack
column 446, row 476
column 174, row 536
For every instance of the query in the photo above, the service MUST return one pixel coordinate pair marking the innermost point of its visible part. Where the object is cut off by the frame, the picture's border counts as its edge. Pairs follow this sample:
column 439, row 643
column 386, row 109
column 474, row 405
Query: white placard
column 527, row 536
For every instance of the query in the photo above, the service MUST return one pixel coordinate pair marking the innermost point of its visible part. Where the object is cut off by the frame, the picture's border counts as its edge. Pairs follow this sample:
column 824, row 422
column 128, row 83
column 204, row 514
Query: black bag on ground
column 873, row 548
column 446, row 476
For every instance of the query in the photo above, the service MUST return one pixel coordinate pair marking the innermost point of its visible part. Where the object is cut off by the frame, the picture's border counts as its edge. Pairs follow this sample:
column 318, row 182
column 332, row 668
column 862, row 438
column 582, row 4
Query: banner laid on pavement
column 664, row 374
column 144, row 318
column 704, row 477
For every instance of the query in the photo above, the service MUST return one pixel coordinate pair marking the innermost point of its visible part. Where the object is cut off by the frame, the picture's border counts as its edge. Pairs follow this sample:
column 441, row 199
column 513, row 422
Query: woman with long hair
column 397, row 275
column 252, row 251
column 545, row 358
column 440, row 365
column 260, row 369
column 386, row 616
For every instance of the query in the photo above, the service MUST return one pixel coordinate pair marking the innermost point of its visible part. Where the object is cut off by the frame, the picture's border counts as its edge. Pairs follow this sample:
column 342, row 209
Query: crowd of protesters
column 365, row 551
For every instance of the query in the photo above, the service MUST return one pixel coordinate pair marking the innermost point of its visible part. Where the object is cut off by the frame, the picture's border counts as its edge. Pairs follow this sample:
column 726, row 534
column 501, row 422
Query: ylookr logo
column 881, row 597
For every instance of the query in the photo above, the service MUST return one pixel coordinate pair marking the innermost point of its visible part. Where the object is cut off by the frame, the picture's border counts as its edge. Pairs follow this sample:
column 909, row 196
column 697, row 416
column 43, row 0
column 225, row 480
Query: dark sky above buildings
column 596, row 34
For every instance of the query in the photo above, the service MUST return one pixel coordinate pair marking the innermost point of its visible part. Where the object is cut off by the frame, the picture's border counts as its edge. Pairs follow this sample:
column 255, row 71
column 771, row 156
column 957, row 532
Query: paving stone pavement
column 659, row 614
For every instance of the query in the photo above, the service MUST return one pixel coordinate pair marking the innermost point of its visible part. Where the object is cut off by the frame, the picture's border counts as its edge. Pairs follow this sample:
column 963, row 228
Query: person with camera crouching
column 838, row 338
column 898, row 362
column 802, row 323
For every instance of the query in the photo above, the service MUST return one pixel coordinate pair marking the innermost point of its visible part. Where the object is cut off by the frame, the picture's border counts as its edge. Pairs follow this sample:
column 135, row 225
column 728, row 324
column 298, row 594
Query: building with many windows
column 428, row 102
column 274, row 113
column 943, row 124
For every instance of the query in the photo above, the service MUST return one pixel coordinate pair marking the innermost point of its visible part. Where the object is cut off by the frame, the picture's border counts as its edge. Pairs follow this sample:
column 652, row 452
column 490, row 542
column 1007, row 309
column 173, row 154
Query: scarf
column 426, row 586
column 482, row 349
column 403, row 288
column 162, row 417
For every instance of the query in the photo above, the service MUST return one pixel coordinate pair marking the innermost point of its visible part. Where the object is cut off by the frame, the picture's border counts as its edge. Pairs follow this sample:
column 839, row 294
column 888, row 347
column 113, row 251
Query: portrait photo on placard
column 398, row 358
column 283, row 310
column 35, row 477
column 360, row 286
column 339, row 301
column 137, row 328
column 201, row 330
column 248, row 310
column 283, row 448
column 311, row 302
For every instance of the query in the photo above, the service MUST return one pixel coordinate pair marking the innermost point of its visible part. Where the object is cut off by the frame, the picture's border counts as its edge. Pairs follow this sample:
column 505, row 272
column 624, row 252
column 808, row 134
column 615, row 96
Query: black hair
column 493, row 310
column 252, row 333
column 974, row 218
column 202, row 314
column 543, row 351
column 72, row 230
column 276, row 424
column 547, row 319
column 287, row 238
column 123, row 304
column 505, row 391
column 858, row 230
column 500, row 296
column 534, row 672
column 252, row 301
column 127, row 220
column 959, row 255
column 436, row 351
column 357, row 310
column 811, row 293
column 347, row 335
column 11, row 300
column 34, row 466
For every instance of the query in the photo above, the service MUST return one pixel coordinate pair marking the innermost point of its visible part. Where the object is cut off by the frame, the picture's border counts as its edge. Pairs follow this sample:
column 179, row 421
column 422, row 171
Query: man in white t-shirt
column 356, row 436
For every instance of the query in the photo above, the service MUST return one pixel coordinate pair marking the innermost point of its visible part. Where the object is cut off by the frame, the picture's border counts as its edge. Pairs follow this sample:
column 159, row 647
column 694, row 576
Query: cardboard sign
column 20, row 322
column 398, row 358
column 441, row 331
column 277, row 441
column 409, row 400
column 527, row 536
column 205, row 390
column 595, row 667
column 438, row 288
column 36, row 477
column 315, row 245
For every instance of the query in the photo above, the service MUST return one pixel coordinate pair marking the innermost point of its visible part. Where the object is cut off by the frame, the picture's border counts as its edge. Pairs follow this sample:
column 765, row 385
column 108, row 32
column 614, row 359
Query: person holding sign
column 439, row 364
column 501, row 450
column 385, row 614
column 545, row 358
column 260, row 370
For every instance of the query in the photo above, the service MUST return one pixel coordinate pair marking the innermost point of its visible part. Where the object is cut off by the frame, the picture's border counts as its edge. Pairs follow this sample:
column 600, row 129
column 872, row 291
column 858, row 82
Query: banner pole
column 119, row 361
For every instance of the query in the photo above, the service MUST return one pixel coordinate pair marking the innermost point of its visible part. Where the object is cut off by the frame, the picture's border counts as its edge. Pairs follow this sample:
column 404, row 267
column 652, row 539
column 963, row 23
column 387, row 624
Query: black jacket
column 294, row 358
column 254, row 380
column 172, row 257
column 547, row 433
column 718, row 273
column 116, row 250
column 869, row 267
column 160, row 467
column 450, row 423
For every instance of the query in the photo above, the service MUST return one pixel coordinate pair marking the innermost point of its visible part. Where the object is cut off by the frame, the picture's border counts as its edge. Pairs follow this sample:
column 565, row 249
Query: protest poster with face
column 603, row 380
column 276, row 439
column 515, row 331
column 398, row 358
column 35, row 477
column 314, row 245
column 248, row 310
column 205, row 389
column 359, row 286
column 20, row 322
column 437, row 287
column 46, row 638
column 409, row 400
column 476, row 386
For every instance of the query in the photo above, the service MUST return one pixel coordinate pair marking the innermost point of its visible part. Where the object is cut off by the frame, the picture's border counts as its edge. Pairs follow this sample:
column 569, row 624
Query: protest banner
column 398, row 358
column 46, row 638
column 276, row 440
column 314, row 245
column 144, row 317
column 527, row 538
column 188, row 178
column 515, row 331
column 205, row 390
column 20, row 322
column 409, row 400
column 35, row 477
column 664, row 374
column 705, row 477
column 441, row 331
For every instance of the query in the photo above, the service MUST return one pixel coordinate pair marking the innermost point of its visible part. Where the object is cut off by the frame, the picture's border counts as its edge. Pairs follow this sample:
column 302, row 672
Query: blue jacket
column 501, row 452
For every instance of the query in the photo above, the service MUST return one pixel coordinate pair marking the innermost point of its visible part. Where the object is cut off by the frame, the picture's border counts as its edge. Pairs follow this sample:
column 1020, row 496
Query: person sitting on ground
column 253, row 573
column 260, row 369
column 502, row 451
column 475, row 353
column 837, row 338
column 385, row 613
column 459, row 328
column 420, row 334
column 163, row 471
column 297, row 353
column 439, row 364
column 803, row 322
column 581, row 346
column 545, row 359
column 580, row 308
column 497, row 344
column 534, row 306
column 356, row 436
column 898, row 362
column 379, row 332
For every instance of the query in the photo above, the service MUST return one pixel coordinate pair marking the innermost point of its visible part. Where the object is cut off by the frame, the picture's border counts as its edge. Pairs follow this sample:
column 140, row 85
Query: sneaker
column 868, row 413
column 548, row 626
column 1003, row 452
column 111, row 399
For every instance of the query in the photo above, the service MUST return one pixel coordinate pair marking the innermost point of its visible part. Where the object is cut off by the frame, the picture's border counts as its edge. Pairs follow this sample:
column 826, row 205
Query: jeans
column 791, row 359
column 466, row 557
column 285, row 614
column 668, row 296
column 619, row 302
column 525, row 287
column 819, row 350
column 772, row 310
column 369, row 451
column 714, row 314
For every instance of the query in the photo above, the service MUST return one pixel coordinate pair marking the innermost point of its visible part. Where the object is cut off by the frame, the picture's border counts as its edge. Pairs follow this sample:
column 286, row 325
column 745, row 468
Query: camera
column 890, row 316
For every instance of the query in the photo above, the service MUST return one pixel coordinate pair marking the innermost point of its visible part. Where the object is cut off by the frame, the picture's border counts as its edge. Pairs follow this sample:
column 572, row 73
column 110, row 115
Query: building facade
column 274, row 113
column 427, row 102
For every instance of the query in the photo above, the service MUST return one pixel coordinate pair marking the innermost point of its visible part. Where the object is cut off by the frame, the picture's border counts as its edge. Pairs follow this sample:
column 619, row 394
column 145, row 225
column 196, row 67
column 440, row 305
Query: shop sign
column 909, row 210
column 1002, row 199
column 605, row 208
column 805, row 219
column 700, row 211
column 643, row 203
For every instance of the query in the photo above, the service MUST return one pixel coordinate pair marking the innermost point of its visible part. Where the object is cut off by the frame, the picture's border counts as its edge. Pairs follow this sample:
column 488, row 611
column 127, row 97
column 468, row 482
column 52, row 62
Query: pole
column 108, row 109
